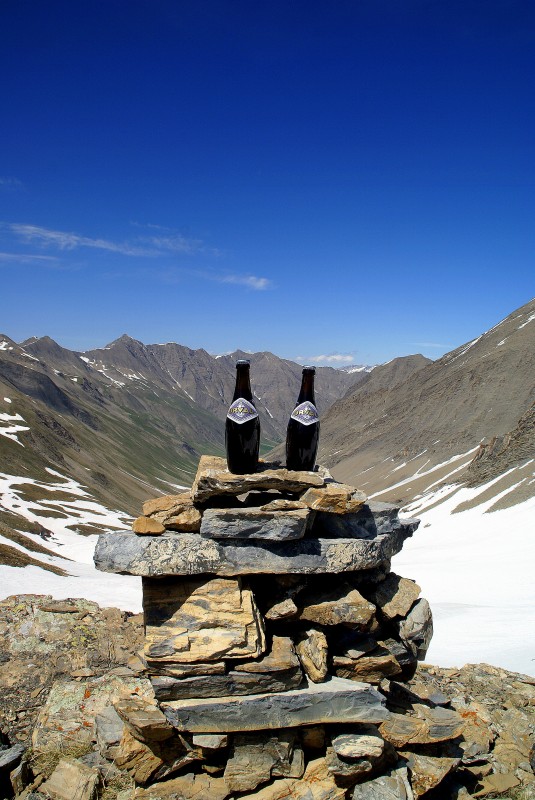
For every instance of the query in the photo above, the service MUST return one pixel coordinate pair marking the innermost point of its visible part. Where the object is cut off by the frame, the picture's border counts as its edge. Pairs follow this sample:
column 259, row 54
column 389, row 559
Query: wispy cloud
column 26, row 258
column 251, row 281
column 64, row 240
column 327, row 358
column 10, row 183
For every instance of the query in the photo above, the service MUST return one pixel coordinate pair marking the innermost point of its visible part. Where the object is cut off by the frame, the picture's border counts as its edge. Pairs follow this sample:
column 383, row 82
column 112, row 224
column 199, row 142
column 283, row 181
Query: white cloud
column 26, row 258
column 68, row 241
column 251, row 281
column 334, row 358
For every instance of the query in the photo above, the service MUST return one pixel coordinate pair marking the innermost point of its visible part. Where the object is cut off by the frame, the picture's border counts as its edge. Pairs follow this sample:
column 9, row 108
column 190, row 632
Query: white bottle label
column 306, row 413
column 241, row 411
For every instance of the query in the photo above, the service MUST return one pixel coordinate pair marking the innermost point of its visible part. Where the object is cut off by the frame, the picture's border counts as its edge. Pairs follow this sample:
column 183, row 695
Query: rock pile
column 278, row 662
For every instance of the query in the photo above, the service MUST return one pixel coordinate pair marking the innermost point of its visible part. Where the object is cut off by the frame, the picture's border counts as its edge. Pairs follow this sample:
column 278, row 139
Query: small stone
column 371, row 668
column 334, row 498
column 395, row 595
column 341, row 606
column 313, row 652
column 170, row 503
column 72, row 780
column 427, row 771
column 145, row 526
column 144, row 719
column 365, row 742
column 109, row 729
column 254, row 523
column 416, row 630
column 189, row 520
column 175, row 512
column 154, row 762
column 283, row 610
column 394, row 785
column 210, row 741
column 282, row 504
column 430, row 726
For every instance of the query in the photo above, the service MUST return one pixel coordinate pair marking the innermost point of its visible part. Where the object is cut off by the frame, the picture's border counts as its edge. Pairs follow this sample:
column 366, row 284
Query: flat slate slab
column 190, row 554
column 255, row 523
column 335, row 701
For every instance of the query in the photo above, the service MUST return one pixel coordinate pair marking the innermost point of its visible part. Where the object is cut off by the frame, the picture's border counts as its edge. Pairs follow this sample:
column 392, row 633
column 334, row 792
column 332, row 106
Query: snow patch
column 11, row 431
column 529, row 319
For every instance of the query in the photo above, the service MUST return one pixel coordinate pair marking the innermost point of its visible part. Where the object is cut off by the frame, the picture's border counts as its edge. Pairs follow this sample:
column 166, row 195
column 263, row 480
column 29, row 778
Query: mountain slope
column 396, row 441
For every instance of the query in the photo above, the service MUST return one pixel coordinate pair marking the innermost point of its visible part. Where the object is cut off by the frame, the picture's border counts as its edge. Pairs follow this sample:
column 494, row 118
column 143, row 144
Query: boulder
column 254, row 523
column 201, row 620
column 186, row 787
column 144, row 719
column 334, row 498
column 213, row 479
column 313, row 652
column 336, row 700
column 316, row 784
column 256, row 758
column 145, row 526
column 427, row 772
column 72, row 780
column 341, row 606
column 394, row 785
column 71, row 707
column 416, row 630
column 395, row 596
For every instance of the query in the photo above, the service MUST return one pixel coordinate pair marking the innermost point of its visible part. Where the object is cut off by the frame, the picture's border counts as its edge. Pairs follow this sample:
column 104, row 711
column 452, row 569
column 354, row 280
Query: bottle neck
column 307, row 388
column 243, row 384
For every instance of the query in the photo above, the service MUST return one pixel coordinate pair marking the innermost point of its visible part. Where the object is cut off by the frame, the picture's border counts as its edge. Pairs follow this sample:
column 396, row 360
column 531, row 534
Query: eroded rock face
column 199, row 620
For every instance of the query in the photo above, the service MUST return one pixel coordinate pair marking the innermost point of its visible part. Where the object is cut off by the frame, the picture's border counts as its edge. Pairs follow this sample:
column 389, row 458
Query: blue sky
column 343, row 182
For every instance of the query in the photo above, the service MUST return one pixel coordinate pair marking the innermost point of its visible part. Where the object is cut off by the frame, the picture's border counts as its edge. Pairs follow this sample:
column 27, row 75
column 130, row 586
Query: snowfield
column 476, row 570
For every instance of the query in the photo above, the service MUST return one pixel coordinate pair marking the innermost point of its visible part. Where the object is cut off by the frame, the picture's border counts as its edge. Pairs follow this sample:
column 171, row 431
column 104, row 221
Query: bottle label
column 241, row 411
column 306, row 413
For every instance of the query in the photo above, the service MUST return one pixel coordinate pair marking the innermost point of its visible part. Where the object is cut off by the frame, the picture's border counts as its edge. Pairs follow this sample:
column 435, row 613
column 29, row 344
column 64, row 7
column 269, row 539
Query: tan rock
column 210, row 741
column 426, row 772
column 395, row 596
column 188, row 520
column 334, row 498
column 186, row 787
column 282, row 504
column 71, row 707
column 145, row 526
column 341, row 606
column 364, row 742
column 313, row 652
column 283, row 610
column 371, row 668
column 497, row 783
column 280, row 658
column 167, row 503
column 213, row 479
column 72, row 780
column 165, row 666
column 256, row 758
column 429, row 726
column 144, row 719
column 201, row 620
column 157, row 761
column 316, row 784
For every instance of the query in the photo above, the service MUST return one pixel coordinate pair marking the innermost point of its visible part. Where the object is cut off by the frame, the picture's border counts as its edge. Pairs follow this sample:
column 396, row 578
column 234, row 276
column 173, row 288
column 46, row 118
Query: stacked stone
column 270, row 613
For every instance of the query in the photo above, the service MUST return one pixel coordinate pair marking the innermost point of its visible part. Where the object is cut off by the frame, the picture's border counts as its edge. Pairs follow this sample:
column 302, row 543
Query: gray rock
column 254, row 523
column 10, row 758
column 372, row 519
column 256, row 758
column 109, row 730
column 189, row 554
column 392, row 786
column 336, row 700
column 416, row 630
column 210, row 741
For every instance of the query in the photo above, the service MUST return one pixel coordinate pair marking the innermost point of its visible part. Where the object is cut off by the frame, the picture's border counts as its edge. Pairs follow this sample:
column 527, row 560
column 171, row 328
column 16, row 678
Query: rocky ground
column 65, row 664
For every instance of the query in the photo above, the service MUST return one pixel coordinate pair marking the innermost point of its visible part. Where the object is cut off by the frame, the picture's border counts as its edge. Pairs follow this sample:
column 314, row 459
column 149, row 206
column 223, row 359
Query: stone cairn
column 277, row 642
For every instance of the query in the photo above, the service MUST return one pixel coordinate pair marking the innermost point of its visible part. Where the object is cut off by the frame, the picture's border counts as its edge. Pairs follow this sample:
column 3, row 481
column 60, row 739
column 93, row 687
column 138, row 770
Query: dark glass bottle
column 303, row 427
column 242, row 428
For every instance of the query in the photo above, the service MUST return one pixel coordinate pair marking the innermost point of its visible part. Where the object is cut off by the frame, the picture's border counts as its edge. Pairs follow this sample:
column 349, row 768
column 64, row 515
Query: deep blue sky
column 312, row 178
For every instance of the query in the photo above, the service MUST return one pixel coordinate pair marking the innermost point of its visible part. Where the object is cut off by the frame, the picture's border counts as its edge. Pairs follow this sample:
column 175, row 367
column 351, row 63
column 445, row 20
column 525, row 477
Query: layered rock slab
column 201, row 620
column 255, row 523
column 188, row 554
column 336, row 700
column 214, row 479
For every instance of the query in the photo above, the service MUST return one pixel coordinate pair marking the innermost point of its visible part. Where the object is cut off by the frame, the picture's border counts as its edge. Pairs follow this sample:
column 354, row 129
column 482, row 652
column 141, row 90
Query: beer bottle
column 303, row 427
column 242, row 428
